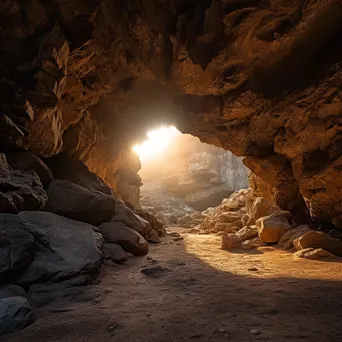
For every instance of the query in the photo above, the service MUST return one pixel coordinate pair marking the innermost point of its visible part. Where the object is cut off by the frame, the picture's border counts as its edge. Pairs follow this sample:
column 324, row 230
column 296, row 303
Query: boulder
column 44, row 293
column 314, row 239
column 153, row 221
column 130, row 218
column 64, row 167
column 286, row 241
column 230, row 241
column 19, row 190
column 272, row 227
column 196, row 215
column 15, row 314
column 260, row 207
column 252, row 243
column 114, row 252
column 67, row 250
column 153, row 236
column 16, row 243
column 77, row 203
column 183, row 220
column 11, row 290
column 26, row 161
column 247, row 233
column 312, row 253
column 129, row 239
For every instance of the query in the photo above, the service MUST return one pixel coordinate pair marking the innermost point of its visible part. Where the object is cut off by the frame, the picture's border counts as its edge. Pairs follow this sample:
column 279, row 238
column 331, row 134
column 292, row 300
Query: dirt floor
column 198, row 292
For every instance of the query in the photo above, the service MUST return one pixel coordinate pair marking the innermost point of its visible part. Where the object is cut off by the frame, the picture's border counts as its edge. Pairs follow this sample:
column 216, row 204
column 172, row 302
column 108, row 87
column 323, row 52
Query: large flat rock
column 67, row 250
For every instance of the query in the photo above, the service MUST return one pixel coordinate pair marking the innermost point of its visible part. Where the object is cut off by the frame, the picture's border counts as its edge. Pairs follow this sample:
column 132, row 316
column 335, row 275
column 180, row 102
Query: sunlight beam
column 157, row 142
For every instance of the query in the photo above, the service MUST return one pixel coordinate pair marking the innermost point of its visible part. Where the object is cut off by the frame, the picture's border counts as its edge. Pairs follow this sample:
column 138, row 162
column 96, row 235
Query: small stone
column 174, row 234
column 253, row 269
column 149, row 258
column 255, row 332
column 180, row 238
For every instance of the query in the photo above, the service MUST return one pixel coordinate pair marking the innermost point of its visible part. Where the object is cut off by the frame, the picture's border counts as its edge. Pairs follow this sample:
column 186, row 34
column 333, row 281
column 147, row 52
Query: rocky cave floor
column 192, row 290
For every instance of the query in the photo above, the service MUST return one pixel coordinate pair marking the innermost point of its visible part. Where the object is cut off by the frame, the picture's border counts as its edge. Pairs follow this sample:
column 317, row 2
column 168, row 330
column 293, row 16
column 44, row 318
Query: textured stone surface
column 19, row 190
column 114, row 252
column 15, row 314
column 314, row 239
column 261, row 79
column 127, row 216
column 286, row 241
column 230, row 241
column 130, row 240
column 80, row 204
column 16, row 243
column 26, row 161
column 312, row 253
column 271, row 228
column 67, row 250
column 64, row 167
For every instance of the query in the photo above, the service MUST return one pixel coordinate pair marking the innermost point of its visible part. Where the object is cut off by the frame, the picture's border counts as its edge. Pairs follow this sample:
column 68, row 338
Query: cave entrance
column 181, row 175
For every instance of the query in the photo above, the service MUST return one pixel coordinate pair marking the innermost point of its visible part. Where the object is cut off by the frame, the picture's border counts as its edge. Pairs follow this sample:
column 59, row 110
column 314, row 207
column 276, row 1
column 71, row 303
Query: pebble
column 252, row 269
column 255, row 332
column 180, row 238
column 149, row 258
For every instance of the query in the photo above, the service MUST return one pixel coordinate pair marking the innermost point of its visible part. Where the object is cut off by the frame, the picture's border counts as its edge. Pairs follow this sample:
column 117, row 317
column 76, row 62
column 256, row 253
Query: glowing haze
column 157, row 142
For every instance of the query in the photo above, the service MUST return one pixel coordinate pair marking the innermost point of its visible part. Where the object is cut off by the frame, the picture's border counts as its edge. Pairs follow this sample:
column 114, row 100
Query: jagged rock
column 153, row 221
column 130, row 240
column 77, row 203
column 183, row 220
column 130, row 219
column 253, row 243
column 312, row 253
column 314, row 239
column 19, row 190
column 11, row 290
column 64, row 167
column 196, row 215
column 26, row 161
column 67, row 250
column 17, row 244
column 153, row 236
column 271, row 228
column 15, row 314
column 260, row 207
column 286, row 241
column 114, row 252
column 247, row 233
column 230, row 241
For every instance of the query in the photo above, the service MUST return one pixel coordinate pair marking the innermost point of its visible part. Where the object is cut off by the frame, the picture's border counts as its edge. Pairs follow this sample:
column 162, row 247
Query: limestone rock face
column 261, row 79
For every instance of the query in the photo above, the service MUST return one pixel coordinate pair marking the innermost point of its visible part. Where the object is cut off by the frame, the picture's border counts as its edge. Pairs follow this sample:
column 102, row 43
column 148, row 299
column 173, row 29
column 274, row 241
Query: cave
column 86, row 255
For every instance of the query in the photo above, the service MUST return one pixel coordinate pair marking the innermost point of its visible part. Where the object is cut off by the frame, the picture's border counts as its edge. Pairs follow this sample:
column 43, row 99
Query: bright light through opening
column 158, row 141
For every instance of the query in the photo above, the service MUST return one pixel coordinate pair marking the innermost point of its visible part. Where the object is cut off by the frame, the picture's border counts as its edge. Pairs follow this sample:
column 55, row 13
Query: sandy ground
column 205, row 294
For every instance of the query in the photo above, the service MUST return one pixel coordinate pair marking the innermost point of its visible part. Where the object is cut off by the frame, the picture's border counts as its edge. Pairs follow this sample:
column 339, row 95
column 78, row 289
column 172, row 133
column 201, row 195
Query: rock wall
column 261, row 78
column 199, row 173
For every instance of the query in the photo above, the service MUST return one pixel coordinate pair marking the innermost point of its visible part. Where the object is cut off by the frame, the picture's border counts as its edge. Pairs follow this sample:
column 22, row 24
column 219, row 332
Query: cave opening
column 182, row 176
